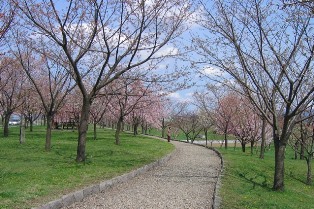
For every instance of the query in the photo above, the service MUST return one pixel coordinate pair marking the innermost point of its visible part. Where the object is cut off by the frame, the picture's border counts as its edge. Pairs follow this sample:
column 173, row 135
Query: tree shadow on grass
column 255, row 178
column 291, row 175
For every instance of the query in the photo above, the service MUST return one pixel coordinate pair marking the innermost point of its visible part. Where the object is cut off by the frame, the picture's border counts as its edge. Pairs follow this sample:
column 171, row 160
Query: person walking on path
column 187, row 180
column 169, row 134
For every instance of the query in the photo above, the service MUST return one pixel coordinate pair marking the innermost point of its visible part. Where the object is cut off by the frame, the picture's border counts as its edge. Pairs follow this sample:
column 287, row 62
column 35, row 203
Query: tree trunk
column 95, row 130
column 302, row 142
column 302, row 148
column 279, row 164
column 45, row 120
column 118, row 130
column 263, row 143
column 296, row 149
column 122, row 126
column 187, row 137
column 206, row 135
column 252, row 147
column 309, row 170
column 2, row 119
column 163, row 128
column 146, row 129
column 143, row 128
column 31, row 123
column 226, row 140
column 243, row 146
column 7, row 116
column 22, row 131
column 82, row 131
column 135, row 127
column 49, row 118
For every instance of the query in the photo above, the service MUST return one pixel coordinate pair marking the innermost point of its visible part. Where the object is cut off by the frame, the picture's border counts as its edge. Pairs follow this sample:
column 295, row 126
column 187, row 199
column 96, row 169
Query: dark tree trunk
column 263, row 142
column 143, row 128
column 279, row 164
column 122, row 126
column 31, row 123
column 95, row 130
column 309, row 170
column 118, row 130
column 146, row 129
column 206, row 135
column 296, row 149
column 45, row 120
column 243, row 146
column 7, row 116
column 49, row 118
column 226, row 140
column 82, row 131
column 187, row 137
column 135, row 129
column 163, row 128
column 302, row 142
column 302, row 148
column 22, row 131
column 252, row 147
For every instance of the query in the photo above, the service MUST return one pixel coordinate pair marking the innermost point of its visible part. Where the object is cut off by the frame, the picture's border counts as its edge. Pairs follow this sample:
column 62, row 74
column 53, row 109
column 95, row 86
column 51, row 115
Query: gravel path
column 187, row 180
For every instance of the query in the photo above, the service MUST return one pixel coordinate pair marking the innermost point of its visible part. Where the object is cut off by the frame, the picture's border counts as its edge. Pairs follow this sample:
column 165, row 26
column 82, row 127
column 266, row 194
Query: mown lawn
column 181, row 137
column 30, row 176
column 247, row 182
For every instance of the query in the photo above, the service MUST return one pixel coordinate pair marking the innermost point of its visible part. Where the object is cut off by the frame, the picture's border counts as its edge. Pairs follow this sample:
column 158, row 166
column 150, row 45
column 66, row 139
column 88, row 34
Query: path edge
column 77, row 196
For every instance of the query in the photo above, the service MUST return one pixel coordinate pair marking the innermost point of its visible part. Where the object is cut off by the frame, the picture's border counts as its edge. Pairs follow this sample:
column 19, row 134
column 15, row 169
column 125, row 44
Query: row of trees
column 265, row 48
column 85, row 47
column 229, row 114
column 234, row 116
column 125, row 100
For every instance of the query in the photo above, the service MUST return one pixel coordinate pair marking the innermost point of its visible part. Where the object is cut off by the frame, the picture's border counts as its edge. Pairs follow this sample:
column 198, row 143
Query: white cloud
column 167, row 51
column 181, row 96
column 212, row 71
column 175, row 95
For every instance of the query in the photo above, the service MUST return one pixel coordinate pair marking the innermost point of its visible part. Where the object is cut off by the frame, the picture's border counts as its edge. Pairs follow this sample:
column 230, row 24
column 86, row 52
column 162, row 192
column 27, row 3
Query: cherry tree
column 205, row 103
column 7, row 12
column 189, row 123
column 246, row 125
column 150, row 113
column 31, row 108
column 304, row 135
column 168, row 110
column 268, row 51
column 129, row 95
column 11, row 92
column 99, row 108
column 69, row 113
column 48, row 77
column 226, row 108
column 305, row 3
column 102, row 39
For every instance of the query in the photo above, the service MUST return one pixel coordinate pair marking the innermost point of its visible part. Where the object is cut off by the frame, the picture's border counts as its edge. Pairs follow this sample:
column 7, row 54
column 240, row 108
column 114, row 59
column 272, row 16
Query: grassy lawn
column 247, row 182
column 29, row 176
column 181, row 137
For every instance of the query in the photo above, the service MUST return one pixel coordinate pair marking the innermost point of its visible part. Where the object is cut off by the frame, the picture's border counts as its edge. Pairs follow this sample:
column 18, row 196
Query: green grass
column 181, row 137
column 247, row 182
column 29, row 176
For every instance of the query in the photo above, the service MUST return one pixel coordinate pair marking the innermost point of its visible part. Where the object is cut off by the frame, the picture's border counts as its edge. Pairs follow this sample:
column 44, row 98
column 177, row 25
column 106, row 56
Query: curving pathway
column 187, row 180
